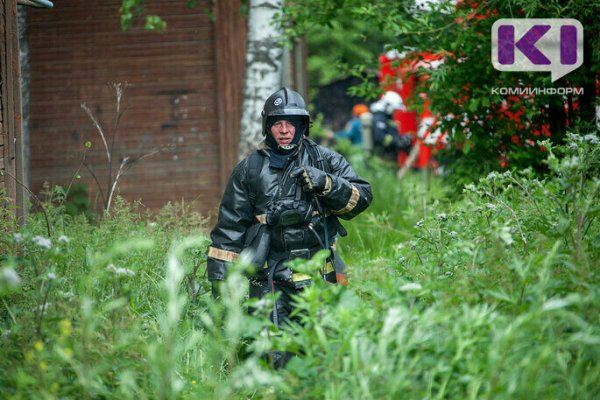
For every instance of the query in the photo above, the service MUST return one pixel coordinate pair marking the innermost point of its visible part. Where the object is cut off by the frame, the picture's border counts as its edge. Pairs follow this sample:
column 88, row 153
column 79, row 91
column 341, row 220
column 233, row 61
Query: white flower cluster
column 419, row 223
column 590, row 138
column 10, row 276
column 120, row 271
column 63, row 238
column 18, row 237
column 42, row 242
column 470, row 188
column 491, row 206
column 407, row 287
column 492, row 175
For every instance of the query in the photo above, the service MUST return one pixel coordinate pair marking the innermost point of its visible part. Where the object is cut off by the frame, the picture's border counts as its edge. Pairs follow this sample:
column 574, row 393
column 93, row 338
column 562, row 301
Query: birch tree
column 264, row 58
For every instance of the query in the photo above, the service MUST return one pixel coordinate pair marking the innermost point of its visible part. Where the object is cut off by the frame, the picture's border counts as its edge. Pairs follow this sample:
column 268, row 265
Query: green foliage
column 348, row 41
column 130, row 8
column 493, row 294
column 488, row 131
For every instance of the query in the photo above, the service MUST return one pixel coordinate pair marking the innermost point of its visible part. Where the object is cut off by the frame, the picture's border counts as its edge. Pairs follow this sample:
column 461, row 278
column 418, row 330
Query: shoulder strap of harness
column 255, row 162
column 315, row 154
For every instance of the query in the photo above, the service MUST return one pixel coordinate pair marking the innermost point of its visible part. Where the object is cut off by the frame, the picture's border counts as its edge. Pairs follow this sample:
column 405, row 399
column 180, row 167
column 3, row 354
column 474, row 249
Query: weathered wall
column 172, row 98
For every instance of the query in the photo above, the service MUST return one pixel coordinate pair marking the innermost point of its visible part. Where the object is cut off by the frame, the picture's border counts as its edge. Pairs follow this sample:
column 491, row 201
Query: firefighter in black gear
column 283, row 202
column 386, row 140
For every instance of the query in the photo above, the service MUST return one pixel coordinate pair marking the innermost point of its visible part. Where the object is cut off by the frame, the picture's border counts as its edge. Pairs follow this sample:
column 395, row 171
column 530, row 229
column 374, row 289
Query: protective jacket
column 384, row 126
column 255, row 189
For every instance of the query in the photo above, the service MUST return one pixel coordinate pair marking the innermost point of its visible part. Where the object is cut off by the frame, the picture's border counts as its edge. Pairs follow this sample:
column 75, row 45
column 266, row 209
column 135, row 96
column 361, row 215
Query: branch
column 35, row 198
column 97, row 182
column 127, row 163
column 98, row 128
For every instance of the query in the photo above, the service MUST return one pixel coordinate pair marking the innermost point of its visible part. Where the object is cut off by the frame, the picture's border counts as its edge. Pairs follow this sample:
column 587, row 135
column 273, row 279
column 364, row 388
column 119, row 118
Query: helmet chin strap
column 287, row 147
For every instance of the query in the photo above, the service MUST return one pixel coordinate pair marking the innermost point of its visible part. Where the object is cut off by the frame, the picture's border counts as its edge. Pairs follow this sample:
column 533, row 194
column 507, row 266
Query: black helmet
column 284, row 102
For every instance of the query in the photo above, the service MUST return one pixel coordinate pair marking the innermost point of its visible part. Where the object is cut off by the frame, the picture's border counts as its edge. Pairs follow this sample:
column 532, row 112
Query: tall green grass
column 495, row 294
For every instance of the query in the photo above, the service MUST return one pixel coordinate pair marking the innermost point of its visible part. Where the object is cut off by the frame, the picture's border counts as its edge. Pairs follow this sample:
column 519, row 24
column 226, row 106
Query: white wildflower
column 18, row 237
column 67, row 295
column 470, row 188
column 120, row 271
column 572, row 162
column 442, row 216
column 152, row 224
column 492, row 175
column 491, row 206
column 591, row 138
column 11, row 277
column 573, row 146
column 63, row 238
column 453, row 234
column 42, row 242
column 419, row 223
column 402, row 260
column 407, row 287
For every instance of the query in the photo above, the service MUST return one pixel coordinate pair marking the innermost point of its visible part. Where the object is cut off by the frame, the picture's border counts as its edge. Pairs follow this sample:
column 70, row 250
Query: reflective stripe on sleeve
column 223, row 255
column 262, row 218
column 352, row 202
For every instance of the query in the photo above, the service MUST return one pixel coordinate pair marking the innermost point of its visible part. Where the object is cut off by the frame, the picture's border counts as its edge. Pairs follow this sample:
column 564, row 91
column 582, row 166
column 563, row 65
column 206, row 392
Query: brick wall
column 77, row 50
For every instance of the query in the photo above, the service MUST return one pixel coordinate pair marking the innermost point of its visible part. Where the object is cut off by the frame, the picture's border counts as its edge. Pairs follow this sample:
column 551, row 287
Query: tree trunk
column 24, row 59
column 263, row 69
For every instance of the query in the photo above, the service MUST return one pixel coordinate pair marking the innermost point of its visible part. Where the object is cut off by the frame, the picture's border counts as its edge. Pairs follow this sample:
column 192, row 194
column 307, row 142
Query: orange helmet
column 359, row 109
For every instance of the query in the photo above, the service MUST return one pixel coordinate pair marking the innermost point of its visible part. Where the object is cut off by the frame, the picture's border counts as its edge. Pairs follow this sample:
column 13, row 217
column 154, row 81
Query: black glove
column 312, row 179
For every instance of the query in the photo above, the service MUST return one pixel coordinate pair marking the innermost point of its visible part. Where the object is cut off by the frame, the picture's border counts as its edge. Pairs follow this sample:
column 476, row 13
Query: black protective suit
column 253, row 192
column 384, row 126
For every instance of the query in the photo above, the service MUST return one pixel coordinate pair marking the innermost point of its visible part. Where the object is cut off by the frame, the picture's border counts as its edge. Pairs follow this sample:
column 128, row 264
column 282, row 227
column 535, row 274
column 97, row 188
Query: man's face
column 283, row 132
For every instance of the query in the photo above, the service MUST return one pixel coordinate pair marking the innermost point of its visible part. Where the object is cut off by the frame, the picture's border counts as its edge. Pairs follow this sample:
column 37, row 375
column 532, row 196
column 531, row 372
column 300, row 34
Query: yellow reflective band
column 352, row 202
column 328, row 186
column 328, row 267
column 297, row 277
column 262, row 218
column 223, row 255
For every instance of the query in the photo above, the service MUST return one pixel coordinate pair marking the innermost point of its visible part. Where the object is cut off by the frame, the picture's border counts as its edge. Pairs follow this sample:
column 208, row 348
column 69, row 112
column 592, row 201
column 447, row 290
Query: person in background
column 281, row 203
column 386, row 139
column 353, row 130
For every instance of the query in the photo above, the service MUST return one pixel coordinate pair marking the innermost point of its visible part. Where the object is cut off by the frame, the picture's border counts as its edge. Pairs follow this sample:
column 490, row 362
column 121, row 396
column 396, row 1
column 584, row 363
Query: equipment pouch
column 287, row 212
